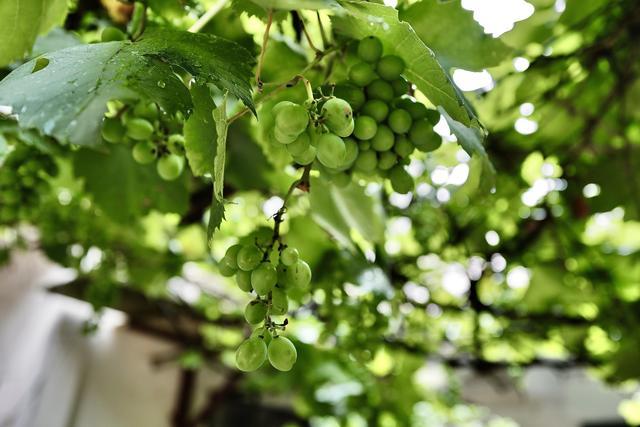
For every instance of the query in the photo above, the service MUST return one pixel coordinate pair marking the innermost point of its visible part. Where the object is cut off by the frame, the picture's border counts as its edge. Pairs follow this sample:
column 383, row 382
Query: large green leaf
column 200, row 132
column 455, row 37
column 124, row 189
column 22, row 21
column 399, row 38
column 67, row 98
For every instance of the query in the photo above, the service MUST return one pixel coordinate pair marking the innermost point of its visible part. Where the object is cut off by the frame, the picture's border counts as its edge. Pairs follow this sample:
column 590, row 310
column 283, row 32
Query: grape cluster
column 269, row 274
column 389, row 125
column 153, row 136
column 24, row 179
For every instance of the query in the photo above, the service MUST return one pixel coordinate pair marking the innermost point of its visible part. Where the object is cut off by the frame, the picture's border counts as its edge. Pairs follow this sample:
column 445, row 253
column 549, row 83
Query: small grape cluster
column 269, row 273
column 154, row 136
column 24, row 178
column 389, row 124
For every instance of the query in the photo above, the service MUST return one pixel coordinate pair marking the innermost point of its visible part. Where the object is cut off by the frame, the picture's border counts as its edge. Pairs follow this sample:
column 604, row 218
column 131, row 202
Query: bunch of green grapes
column 268, row 273
column 389, row 124
column 154, row 136
column 24, row 179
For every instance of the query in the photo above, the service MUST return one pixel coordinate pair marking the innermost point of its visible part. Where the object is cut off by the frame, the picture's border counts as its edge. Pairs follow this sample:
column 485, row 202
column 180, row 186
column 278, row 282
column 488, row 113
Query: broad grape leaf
column 67, row 94
column 399, row 38
column 124, row 189
column 455, row 37
column 22, row 21
column 200, row 132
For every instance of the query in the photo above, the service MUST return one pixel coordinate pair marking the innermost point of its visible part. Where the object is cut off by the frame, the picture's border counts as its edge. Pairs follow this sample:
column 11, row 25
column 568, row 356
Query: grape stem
column 325, row 41
column 306, row 35
column 263, row 49
column 207, row 16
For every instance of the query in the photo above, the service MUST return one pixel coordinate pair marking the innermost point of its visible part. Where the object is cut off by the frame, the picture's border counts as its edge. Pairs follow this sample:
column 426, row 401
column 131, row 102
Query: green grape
column 255, row 312
column 225, row 270
column 403, row 147
column 365, row 128
column 170, row 167
column 400, row 121
column 175, row 144
column 249, row 257
column 423, row 136
column 139, row 129
column 279, row 302
column 379, row 89
column 416, row 110
column 144, row 152
column 331, row 150
column 353, row 95
column 243, row 279
column 390, row 67
column 364, row 145
column 264, row 278
column 401, row 181
column 351, row 154
column 298, row 275
column 376, row 109
column 262, row 333
column 289, row 256
column 387, row 160
column 361, row 74
column 338, row 116
column 146, row 110
column 112, row 34
column 308, row 156
column 383, row 139
column 300, row 145
column 366, row 161
column 113, row 130
column 251, row 354
column 433, row 116
column 370, row 49
column 292, row 119
column 280, row 105
column 282, row 353
column 400, row 86
column 282, row 137
column 341, row 179
column 230, row 258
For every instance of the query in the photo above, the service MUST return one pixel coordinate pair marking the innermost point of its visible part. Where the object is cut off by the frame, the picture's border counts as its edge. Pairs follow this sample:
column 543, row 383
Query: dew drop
column 161, row 84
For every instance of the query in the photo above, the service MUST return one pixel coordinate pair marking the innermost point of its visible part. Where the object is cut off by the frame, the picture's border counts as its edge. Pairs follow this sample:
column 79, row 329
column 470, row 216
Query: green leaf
column 216, row 214
column 124, row 189
column 399, row 38
column 339, row 210
column 455, row 37
column 67, row 98
column 22, row 21
column 200, row 132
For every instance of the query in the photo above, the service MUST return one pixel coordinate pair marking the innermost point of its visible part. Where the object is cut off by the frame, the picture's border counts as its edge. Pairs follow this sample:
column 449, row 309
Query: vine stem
column 325, row 40
column 263, row 49
column 307, row 36
column 207, row 16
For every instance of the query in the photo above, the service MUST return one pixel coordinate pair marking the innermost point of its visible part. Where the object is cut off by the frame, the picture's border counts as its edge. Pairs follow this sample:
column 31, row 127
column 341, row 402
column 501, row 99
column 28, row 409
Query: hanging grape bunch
column 154, row 136
column 268, row 273
column 24, row 178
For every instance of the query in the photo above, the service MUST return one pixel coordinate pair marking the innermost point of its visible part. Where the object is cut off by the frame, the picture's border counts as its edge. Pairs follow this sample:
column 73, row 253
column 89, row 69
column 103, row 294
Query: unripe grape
column 225, row 270
column 401, row 181
column 338, row 116
column 112, row 34
column 175, row 144
column 361, row 74
column 113, row 130
column 365, row 128
column 289, row 256
column 390, row 67
column 433, row 116
column 306, row 157
column 298, row 275
column 379, row 89
column 282, row 353
column 376, row 109
column 282, row 137
column 243, row 279
column 264, row 278
column 255, row 312
column 262, row 333
column 400, row 86
column 146, row 110
column 400, row 121
column 341, row 179
column 423, row 136
column 144, row 152
column 280, row 105
column 170, row 167
column 364, row 145
column 300, row 145
column 383, row 139
column 366, row 161
column 251, row 354
column 331, row 150
column 370, row 49
column 387, row 160
column 139, row 129
column 416, row 110
column 249, row 257
column 279, row 302
column 231, row 256
column 351, row 154
column 353, row 95
column 403, row 147
column 292, row 119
